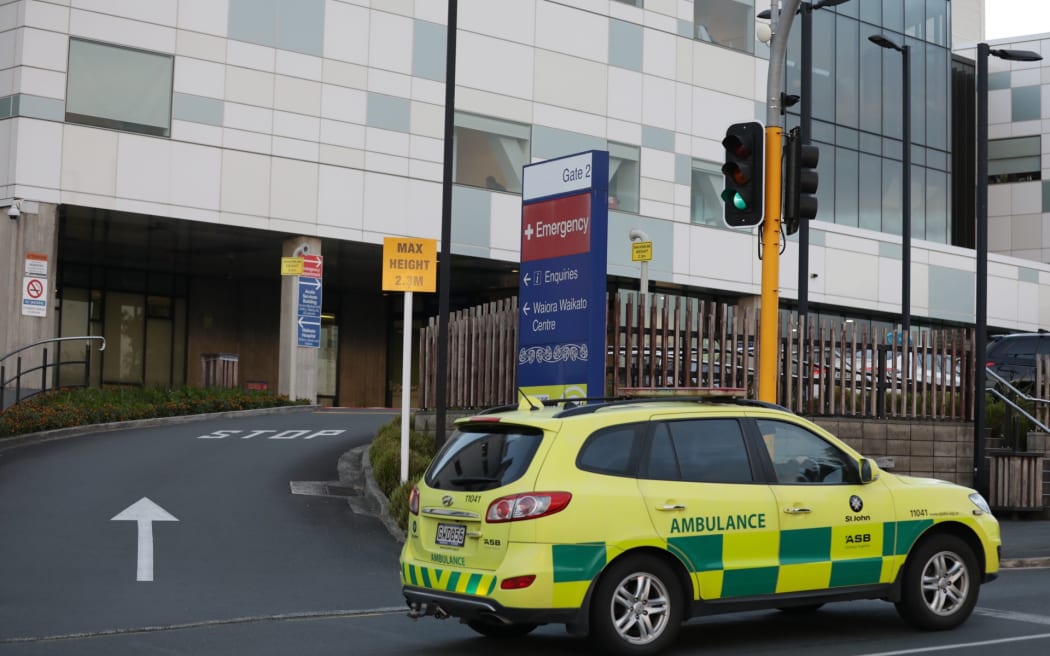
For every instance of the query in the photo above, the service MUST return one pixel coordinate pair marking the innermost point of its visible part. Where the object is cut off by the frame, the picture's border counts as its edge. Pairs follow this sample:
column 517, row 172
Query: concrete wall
column 35, row 231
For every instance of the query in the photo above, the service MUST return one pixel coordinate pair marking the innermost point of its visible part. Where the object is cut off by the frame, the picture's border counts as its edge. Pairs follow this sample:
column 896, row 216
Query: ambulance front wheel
column 940, row 584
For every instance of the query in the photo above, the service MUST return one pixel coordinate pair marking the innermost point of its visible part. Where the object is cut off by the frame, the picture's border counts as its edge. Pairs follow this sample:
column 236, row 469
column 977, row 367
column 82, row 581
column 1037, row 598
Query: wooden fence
column 664, row 341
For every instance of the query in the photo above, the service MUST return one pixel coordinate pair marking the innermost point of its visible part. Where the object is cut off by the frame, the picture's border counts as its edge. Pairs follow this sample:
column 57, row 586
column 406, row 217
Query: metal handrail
column 45, row 366
column 1013, row 389
column 56, row 339
column 1007, row 401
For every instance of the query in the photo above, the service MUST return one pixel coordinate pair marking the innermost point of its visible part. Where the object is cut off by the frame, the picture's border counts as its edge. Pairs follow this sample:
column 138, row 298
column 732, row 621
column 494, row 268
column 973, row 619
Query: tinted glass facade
column 857, row 111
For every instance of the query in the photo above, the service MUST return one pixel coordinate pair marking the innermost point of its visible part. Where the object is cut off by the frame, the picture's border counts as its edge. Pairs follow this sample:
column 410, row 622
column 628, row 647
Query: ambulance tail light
column 532, row 505
column 517, row 582
column 413, row 500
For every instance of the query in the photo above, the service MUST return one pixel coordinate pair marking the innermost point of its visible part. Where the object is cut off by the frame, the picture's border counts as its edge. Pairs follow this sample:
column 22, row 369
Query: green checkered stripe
column 797, row 547
column 449, row 581
column 704, row 553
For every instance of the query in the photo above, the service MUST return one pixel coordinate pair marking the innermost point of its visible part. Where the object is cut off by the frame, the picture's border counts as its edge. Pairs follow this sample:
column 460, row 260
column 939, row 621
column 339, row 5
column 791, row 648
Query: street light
column 805, row 131
column 980, row 482
column 905, row 51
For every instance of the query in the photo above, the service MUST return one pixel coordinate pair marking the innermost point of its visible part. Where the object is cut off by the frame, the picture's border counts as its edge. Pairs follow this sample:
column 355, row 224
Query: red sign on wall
column 312, row 266
column 557, row 227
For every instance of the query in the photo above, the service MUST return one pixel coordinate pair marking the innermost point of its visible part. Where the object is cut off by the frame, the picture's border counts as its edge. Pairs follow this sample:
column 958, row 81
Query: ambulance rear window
column 483, row 457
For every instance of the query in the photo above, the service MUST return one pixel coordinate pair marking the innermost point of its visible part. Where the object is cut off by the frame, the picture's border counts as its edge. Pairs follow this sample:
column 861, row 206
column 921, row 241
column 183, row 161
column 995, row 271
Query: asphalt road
column 251, row 568
column 243, row 545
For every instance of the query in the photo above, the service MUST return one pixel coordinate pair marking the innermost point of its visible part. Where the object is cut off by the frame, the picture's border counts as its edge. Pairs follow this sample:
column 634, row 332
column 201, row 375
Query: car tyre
column 940, row 584
column 496, row 629
column 637, row 608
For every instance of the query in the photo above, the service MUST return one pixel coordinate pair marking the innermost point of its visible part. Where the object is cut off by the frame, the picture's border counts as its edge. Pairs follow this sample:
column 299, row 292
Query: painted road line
column 1011, row 615
column 316, row 615
column 959, row 645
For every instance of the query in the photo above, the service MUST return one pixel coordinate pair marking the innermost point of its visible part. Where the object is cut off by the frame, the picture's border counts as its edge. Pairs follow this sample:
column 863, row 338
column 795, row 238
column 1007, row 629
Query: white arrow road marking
column 144, row 512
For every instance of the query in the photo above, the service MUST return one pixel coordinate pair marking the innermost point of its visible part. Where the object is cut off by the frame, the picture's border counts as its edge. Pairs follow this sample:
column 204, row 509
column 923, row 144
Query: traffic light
column 800, row 182
column 743, row 168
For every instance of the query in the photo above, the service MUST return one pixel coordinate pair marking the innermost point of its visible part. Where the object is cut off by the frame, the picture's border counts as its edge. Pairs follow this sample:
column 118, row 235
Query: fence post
column 3, row 385
column 18, row 380
column 43, row 373
column 87, row 365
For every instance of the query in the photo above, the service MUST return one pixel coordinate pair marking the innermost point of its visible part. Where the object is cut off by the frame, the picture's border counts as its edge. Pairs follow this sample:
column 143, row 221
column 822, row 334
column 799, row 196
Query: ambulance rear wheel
column 638, row 607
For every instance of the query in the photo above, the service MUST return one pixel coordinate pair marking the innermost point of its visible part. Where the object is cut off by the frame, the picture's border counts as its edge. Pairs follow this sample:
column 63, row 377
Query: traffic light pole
column 769, row 314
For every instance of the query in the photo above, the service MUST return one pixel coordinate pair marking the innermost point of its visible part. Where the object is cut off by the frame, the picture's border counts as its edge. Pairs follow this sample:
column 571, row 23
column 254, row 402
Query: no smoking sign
column 34, row 296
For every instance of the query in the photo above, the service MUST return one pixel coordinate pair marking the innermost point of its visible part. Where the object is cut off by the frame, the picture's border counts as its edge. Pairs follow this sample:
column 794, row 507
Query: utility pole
column 769, row 313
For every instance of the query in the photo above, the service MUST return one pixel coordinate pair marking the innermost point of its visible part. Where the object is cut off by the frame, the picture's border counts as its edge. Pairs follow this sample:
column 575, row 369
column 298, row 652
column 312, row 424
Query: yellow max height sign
column 409, row 265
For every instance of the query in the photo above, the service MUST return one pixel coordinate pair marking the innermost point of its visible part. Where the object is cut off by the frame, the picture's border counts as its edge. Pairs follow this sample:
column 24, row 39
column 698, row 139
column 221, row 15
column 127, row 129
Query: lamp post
column 980, row 482
column 805, row 124
column 905, row 51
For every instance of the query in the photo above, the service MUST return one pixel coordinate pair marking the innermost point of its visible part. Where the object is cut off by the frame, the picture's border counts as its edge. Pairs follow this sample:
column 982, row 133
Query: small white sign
column 36, row 264
column 557, row 176
column 34, row 296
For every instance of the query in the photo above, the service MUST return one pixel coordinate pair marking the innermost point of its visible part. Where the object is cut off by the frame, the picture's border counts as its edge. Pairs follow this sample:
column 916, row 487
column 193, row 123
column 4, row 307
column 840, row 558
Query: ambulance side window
column 611, row 451
column 802, row 457
column 699, row 451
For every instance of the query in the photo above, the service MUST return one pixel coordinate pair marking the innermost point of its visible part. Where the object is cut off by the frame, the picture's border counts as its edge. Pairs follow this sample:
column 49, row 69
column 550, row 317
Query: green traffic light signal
column 742, row 169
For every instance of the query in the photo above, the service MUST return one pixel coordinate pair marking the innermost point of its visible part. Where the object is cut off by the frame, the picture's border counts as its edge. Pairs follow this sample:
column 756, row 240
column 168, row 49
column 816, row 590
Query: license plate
column 452, row 535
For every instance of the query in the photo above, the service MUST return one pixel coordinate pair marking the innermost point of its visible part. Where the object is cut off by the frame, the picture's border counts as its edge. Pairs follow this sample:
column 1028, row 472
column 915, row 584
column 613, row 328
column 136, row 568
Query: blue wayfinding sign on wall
column 308, row 323
column 561, row 293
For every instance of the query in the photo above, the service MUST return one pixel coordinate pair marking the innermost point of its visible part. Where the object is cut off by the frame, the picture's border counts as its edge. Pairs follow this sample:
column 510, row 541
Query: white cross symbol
column 528, row 232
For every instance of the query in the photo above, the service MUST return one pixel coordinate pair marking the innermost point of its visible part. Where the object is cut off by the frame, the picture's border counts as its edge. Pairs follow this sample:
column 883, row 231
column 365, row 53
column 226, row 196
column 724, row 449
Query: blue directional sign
column 308, row 322
column 308, row 333
column 561, row 294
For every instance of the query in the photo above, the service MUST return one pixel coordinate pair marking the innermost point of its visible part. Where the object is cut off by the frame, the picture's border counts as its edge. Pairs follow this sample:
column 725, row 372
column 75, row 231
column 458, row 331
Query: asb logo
column 856, row 504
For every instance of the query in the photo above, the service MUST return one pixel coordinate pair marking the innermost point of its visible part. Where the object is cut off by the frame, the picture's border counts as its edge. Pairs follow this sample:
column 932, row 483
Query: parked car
column 623, row 519
column 1012, row 357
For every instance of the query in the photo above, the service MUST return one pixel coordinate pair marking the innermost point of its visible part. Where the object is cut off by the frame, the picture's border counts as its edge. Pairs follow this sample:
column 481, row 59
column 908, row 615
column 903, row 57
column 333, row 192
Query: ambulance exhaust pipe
column 419, row 609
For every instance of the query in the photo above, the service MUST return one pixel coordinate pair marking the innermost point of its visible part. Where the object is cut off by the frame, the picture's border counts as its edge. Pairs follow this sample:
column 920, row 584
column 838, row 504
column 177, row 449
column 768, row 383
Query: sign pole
column 406, row 382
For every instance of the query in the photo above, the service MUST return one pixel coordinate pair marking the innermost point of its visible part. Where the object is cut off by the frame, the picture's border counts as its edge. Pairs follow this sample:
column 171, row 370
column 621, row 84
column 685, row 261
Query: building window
column 623, row 177
column 489, row 153
column 636, row 3
column 729, row 23
column 1017, row 159
column 706, row 194
column 119, row 88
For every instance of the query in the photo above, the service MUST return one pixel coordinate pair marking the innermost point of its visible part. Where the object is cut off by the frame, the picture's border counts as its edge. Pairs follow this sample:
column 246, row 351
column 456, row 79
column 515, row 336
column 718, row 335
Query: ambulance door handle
column 797, row 510
column 671, row 506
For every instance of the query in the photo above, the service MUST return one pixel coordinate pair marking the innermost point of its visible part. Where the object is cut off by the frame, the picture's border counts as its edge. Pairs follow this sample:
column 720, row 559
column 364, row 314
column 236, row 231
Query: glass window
column 846, row 187
column 937, row 22
column 915, row 18
column 824, row 66
column 489, row 153
column 826, row 176
column 1016, row 159
column 936, row 206
column 801, row 456
column 871, row 192
column 119, row 88
column 482, row 458
column 610, row 451
column 937, row 94
column 705, row 450
column 125, row 332
column 636, row 3
column 706, row 191
column 847, row 91
column 623, row 177
column 1026, row 103
column 892, row 197
column 729, row 23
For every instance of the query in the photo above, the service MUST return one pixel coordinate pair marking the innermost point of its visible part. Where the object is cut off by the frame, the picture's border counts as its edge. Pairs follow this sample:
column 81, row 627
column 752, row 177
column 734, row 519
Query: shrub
column 385, row 454
column 65, row 408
